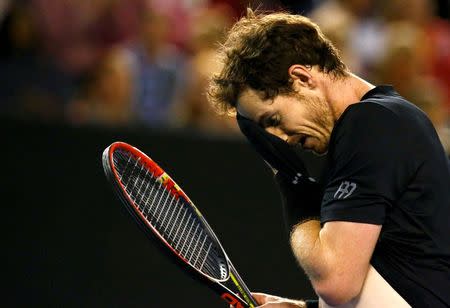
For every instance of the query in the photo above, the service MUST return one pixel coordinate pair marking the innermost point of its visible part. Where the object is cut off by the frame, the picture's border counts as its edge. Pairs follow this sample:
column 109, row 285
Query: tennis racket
column 166, row 213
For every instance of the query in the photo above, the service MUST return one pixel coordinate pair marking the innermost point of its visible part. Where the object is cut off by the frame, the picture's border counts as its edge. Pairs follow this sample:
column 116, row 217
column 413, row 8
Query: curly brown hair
column 259, row 50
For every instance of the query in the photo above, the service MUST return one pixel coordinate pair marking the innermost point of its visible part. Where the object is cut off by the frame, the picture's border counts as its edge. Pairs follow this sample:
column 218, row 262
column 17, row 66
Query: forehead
column 251, row 105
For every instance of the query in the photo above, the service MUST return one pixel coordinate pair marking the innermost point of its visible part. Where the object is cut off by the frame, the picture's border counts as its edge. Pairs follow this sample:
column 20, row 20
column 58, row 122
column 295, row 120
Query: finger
column 283, row 304
column 263, row 298
column 260, row 298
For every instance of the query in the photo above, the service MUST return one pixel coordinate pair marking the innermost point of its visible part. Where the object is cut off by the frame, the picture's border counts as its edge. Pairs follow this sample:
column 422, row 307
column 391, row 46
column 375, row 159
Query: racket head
column 124, row 163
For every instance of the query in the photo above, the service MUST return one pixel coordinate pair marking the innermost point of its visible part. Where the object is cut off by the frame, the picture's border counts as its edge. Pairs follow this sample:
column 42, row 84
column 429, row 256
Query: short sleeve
column 367, row 169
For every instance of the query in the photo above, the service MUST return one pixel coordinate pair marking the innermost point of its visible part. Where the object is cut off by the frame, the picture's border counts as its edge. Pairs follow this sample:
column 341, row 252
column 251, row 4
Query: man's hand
column 277, row 153
column 301, row 195
column 271, row 301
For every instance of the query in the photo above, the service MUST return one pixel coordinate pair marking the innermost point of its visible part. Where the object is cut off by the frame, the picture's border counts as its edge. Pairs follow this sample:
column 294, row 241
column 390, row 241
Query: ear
column 301, row 76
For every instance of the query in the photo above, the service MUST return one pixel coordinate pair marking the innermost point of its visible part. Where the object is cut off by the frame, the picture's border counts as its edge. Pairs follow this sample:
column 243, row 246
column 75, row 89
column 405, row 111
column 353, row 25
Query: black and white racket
column 165, row 212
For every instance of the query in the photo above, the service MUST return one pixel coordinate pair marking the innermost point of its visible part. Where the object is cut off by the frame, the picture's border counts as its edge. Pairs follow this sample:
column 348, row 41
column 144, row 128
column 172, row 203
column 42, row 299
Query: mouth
column 298, row 140
column 302, row 141
column 307, row 143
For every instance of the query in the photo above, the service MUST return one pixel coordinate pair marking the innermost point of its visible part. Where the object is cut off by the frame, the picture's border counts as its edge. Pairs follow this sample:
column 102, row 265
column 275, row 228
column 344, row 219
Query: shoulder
column 366, row 113
column 367, row 125
column 382, row 105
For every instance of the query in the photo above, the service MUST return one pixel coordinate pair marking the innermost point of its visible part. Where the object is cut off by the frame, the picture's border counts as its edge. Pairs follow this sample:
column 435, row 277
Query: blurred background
column 77, row 75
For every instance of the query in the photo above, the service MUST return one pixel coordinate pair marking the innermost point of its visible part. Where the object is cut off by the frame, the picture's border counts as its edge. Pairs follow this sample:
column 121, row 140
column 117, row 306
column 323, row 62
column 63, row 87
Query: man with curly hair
column 373, row 230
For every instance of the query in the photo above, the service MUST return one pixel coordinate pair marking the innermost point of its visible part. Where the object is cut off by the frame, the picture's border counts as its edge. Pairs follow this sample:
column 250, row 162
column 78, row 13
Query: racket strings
column 173, row 218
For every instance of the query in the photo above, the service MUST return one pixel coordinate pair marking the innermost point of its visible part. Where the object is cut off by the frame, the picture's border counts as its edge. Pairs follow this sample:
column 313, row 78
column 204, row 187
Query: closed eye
column 272, row 121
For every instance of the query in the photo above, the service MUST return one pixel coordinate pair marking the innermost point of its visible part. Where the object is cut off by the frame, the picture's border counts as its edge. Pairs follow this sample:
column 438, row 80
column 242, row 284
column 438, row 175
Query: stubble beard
column 322, row 116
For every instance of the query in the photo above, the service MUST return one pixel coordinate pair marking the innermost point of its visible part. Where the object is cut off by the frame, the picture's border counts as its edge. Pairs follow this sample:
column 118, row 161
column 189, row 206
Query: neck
column 346, row 91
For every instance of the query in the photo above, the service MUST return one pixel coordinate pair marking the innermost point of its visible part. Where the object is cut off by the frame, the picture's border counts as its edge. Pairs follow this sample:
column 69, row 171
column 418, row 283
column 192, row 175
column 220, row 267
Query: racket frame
column 242, row 297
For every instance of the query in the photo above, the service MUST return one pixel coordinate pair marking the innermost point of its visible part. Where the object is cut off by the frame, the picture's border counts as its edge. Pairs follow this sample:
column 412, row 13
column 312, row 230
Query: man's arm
column 335, row 257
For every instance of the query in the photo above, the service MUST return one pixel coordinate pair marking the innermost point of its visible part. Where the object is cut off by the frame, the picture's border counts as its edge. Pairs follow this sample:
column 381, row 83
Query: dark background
column 70, row 243
column 67, row 240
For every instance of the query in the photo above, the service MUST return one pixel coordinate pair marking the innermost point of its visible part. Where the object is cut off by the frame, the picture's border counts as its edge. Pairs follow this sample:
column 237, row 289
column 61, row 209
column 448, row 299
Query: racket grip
column 244, row 291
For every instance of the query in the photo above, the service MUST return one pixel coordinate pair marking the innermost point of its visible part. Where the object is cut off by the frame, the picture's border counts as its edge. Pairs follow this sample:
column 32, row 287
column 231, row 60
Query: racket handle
column 242, row 287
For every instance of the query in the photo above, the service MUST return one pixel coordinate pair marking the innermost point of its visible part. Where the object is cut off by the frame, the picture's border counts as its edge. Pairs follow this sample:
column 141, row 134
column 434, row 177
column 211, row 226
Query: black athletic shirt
column 387, row 167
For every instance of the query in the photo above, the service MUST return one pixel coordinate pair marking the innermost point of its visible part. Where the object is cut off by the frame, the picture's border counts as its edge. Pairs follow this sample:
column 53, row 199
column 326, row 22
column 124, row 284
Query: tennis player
column 374, row 230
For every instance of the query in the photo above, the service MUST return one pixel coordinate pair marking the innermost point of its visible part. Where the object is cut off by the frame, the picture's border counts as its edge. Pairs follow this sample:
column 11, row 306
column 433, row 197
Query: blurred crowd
column 146, row 62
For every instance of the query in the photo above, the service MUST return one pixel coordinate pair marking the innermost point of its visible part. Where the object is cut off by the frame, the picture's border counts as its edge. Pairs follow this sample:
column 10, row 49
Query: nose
column 277, row 132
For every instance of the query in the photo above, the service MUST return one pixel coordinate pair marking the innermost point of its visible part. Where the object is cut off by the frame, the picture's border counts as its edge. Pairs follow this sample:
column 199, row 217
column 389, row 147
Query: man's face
column 304, row 119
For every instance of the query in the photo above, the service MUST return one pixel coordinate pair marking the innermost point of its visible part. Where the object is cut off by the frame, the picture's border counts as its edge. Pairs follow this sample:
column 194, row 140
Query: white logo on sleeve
column 345, row 190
